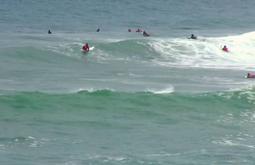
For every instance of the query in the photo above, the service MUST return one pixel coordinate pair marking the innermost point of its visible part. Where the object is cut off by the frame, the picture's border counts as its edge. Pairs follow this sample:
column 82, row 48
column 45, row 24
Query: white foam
column 107, row 158
column 162, row 91
column 206, row 52
column 90, row 90
column 228, row 142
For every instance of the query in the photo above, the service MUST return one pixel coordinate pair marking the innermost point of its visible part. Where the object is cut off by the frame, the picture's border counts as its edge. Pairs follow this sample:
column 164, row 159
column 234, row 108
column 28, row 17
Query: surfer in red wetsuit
column 225, row 49
column 85, row 47
column 250, row 75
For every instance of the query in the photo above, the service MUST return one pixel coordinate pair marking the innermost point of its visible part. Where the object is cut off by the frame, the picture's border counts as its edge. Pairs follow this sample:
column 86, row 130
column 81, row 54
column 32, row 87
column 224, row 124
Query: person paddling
column 138, row 30
column 225, row 49
column 85, row 47
column 250, row 75
column 193, row 37
column 145, row 34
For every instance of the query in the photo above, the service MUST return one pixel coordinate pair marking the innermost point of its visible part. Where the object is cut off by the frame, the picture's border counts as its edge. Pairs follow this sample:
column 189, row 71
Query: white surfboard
column 91, row 48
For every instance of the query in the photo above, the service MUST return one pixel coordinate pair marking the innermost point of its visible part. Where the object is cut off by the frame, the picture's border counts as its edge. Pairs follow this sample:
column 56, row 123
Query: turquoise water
column 164, row 99
column 107, row 127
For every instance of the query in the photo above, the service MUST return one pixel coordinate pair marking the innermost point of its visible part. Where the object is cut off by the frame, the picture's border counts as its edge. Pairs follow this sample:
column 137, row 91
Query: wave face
column 56, row 63
column 127, row 128
column 203, row 52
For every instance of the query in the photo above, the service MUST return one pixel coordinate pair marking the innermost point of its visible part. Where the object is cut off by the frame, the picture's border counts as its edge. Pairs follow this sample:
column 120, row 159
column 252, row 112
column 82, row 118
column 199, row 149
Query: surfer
column 250, row 75
column 145, row 34
column 98, row 29
column 138, row 30
column 225, row 49
column 193, row 37
column 85, row 47
column 49, row 32
column 129, row 30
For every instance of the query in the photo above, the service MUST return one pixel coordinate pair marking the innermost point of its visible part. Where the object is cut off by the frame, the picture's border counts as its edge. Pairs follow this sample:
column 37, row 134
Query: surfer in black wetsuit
column 49, row 32
column 98, row 29
column 193, row 37
column 145, row 34
column 138, row 30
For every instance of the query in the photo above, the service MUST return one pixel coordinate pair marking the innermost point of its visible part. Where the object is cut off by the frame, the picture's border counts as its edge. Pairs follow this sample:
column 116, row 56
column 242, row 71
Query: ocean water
column 132, row 100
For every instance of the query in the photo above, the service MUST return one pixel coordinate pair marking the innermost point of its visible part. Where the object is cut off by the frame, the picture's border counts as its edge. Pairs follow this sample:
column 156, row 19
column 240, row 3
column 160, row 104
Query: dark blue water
column 165, row 17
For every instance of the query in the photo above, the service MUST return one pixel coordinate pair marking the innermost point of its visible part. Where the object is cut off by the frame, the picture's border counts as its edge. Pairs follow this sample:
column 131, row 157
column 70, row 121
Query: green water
column 107, row 127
